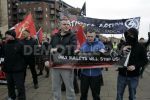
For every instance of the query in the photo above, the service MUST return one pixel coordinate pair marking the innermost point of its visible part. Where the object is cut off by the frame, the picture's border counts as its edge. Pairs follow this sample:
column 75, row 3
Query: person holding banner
column 136, row 59
column 14, row 66
column 91, row 77
column 64, row 42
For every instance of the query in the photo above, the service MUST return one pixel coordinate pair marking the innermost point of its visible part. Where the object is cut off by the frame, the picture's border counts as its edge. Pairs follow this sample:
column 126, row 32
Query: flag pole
column 37, row 36
column 149, row 27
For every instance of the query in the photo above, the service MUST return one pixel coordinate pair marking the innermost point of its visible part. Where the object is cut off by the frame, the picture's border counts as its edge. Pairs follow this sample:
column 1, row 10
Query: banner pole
column 149, row 27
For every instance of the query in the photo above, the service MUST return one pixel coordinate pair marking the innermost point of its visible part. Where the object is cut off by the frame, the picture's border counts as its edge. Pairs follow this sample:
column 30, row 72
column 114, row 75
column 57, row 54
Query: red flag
column 80, row 35
column 26, row 24
column 40, row 35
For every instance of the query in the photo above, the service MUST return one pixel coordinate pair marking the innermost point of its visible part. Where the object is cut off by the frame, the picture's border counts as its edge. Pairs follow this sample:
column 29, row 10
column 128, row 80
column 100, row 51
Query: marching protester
column 108, row 47
column 136, row 59
column 146, row 46
column 29, row 44
column 63, row 42
column 44, row 57
column 91, row 77
column 121, row 44
column 14, row 66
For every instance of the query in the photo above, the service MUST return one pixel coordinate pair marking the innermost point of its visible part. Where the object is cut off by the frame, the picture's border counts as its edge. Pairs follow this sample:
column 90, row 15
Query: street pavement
column 108, row 91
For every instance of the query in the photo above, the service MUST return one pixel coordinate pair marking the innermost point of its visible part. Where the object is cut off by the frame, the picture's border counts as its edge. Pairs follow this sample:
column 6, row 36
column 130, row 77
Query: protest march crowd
column 27, row 52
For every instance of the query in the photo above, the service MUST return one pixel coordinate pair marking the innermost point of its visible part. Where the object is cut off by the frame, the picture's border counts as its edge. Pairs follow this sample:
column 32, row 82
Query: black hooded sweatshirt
column 13, row 57
column 138, row 56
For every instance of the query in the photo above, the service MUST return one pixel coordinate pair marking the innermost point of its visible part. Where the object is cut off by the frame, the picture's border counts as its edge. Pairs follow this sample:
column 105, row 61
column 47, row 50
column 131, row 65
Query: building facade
column 46, row 13
column 12, row 6
column 3, row 16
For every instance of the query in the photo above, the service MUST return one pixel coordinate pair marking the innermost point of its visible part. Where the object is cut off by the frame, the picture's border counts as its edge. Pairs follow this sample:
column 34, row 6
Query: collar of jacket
column 67, row 33
column 11, row 41
column 95, row 41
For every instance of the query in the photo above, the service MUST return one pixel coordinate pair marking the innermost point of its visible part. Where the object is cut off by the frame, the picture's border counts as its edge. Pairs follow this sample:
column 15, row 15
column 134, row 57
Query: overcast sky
column 118, row 9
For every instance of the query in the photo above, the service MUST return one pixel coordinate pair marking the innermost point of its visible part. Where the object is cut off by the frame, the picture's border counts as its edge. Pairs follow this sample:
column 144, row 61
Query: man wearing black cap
column 14, row 66
column 136, row 59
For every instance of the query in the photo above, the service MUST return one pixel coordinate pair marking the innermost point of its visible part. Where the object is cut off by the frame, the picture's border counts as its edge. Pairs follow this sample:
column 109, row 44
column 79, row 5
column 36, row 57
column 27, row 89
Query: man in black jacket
column 29, row 44
column 136, row 59
column 64, row 42
column 14, row 66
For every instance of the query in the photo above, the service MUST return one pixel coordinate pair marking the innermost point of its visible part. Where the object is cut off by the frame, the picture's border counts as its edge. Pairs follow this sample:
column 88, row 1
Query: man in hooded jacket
column 136, row 59
column 14, row 66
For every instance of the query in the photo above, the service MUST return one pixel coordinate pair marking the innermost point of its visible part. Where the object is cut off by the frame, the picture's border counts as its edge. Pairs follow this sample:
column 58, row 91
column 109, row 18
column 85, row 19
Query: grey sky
column 118, row 9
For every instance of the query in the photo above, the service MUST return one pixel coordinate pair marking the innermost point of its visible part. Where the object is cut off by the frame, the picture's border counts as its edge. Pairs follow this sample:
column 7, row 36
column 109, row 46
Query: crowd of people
column 20, row 55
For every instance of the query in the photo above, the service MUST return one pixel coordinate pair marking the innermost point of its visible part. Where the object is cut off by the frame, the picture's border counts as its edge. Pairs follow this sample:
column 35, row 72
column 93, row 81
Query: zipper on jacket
column 90, row 72
column 126, row 73
column 91, row 69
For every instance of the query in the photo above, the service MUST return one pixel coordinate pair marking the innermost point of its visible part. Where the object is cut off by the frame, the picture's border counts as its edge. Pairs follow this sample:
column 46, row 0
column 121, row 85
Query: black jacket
column 138, row 58
column 29, row 46
column 66, row 43
column 13, row 56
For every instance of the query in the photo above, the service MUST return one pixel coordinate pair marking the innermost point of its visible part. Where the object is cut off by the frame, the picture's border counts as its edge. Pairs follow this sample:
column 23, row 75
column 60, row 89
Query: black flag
column 83, row 10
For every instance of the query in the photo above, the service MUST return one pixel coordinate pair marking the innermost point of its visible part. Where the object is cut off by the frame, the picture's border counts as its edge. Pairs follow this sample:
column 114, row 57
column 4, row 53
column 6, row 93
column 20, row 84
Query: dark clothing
column 121, row 44
column 30, row 57
column 66, row 43
column 44, row 56
column 16, row 79
column 14, row 58
column 14, row 66
column 138, row 58
column 33, row 72
column 94, row 82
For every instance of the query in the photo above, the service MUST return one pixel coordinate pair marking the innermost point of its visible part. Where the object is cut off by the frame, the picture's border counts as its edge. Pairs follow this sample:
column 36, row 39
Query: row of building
column 46, row 13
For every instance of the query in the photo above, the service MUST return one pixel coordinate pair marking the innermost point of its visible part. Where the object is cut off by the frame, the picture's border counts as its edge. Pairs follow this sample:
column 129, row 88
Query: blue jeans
column 122, row 82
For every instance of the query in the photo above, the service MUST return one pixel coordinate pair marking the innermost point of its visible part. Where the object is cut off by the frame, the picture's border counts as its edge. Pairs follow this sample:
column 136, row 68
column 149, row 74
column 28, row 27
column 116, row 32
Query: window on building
column 52, row 24
column 39, row 8
column 52, row 11
column 46, row 15
column 52, row 17
column 9, row 5
column 52, row 5
column 46, row 9
column 9, row 11
column 9, row 17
